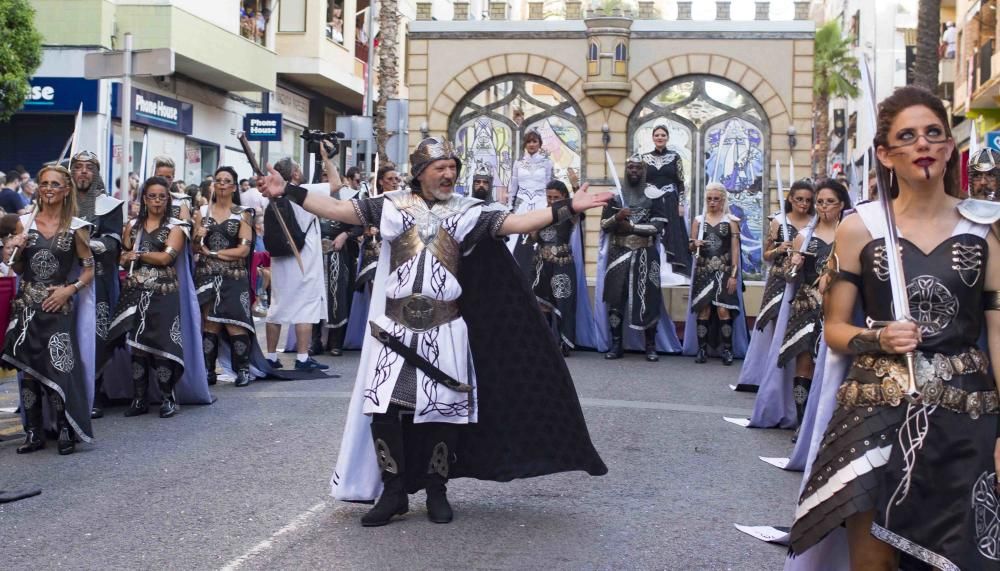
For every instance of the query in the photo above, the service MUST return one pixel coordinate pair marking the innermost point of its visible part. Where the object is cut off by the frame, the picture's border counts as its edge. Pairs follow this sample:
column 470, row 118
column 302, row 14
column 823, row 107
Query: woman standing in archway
column 526, row 192
column 665, row 172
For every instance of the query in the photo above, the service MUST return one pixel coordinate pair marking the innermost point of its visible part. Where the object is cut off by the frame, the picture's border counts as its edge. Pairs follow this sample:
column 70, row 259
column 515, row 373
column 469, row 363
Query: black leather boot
column 438, row 508
column 210, row 349
column 651, row 355
column 726, row 332
column 31, row 403
column 702, row 331
column 241, row 358
column 140, row 383
column 167, row 375
column 97, row 411
column 800, row 394
column 335, row 340
column 387, row 433
column 617, row 350
column 316, row 346
column 66, row 442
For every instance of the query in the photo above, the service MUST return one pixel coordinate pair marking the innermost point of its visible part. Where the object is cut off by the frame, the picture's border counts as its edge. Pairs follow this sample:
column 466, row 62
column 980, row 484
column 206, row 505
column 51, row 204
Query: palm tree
column 835, row 71
column 388, row 68
column 925, row 68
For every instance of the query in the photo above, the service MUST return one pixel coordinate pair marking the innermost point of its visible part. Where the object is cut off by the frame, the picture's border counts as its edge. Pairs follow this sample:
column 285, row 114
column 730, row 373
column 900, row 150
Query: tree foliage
column 20, row 54
column 835, row 70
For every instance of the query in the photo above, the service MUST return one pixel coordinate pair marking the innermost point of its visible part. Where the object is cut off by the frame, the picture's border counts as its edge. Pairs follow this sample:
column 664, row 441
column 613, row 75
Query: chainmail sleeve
column 369, row 210
column 491, row 219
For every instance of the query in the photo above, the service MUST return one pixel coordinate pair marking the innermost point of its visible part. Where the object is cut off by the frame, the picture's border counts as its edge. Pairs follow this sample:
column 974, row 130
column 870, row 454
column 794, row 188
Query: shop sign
column 262, row 126
column 157, row 110
column 61, row 94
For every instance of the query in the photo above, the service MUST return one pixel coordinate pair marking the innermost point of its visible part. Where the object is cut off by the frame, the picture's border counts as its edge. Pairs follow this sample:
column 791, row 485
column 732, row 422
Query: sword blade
column 614, row 177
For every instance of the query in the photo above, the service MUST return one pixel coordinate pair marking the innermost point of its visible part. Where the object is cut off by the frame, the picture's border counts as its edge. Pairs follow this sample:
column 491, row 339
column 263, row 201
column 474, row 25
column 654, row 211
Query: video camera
column 314, row 137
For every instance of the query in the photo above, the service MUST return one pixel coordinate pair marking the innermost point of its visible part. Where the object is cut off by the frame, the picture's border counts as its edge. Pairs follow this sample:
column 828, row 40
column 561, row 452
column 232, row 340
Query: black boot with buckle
column 617, row 350
column 800, row 394
column 241, row 358
column 387, row 434
column 726, row 332
column 167, row 374
column 140, row 382
column 210, row 349
column 66, row 443
column 651, row 355
column 31, row 402
column 702, row 331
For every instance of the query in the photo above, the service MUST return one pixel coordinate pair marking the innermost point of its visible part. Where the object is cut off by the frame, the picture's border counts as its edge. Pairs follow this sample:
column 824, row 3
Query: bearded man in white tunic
column 428, row 377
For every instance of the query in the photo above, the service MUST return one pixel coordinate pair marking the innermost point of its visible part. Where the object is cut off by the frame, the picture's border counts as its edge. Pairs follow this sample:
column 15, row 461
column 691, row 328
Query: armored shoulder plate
column 979, row 211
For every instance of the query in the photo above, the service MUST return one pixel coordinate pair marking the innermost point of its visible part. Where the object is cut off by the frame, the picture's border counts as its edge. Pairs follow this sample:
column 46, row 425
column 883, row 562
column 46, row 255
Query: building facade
column 736, row 95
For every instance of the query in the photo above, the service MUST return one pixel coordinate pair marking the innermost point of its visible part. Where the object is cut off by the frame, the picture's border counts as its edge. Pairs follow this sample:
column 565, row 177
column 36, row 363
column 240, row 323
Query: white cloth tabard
column 297, row 296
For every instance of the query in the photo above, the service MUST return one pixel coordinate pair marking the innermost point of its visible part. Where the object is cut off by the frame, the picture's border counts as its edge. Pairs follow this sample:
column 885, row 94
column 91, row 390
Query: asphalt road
column 243, row 483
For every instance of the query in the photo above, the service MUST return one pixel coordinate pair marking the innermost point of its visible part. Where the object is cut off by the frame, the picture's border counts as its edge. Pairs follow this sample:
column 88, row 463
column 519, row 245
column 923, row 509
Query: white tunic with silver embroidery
column 445, row 346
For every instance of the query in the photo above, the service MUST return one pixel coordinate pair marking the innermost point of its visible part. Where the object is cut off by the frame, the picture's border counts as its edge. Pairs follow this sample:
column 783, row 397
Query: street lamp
column 424, row 130
column 792, row 141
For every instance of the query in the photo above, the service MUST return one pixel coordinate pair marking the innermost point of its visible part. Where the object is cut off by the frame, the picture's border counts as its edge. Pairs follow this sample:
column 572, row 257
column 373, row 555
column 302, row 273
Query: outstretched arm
column 537, row 219
column 322, row 206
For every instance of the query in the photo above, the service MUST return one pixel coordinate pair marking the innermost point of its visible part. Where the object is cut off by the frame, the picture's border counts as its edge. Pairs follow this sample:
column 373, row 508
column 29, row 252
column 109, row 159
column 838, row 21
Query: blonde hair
column 163, row 161
column 69, row 202
column 715, row 185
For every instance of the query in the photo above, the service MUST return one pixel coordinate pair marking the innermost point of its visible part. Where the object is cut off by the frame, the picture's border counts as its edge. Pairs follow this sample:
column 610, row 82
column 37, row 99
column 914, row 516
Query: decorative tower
column 607, row 58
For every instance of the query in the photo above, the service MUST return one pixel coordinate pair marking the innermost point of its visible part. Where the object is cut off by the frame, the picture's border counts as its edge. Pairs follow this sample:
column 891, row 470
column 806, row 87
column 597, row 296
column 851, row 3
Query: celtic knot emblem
column 61, row 352
column 217, row 242
column 548, row 234
column 103, row 320
column 986, row 511
column 44, row 264
column 239, row 347
column 208, row 345
column 232, row 227
column 932, row 304
column 138, row 371
column 639, row 215
column 163, row 374
column 654, row 274
column 28, row 398
column 713, row 242
column 175, row 330
column 562, row 287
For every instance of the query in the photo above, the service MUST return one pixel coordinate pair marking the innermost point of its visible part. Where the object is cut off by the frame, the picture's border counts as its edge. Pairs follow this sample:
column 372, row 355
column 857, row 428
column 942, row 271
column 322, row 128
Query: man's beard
column 80, row 187
column 442, row 193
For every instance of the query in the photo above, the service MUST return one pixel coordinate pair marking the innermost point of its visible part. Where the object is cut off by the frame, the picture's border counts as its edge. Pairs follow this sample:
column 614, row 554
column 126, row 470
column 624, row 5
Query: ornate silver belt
column 632, row 241
column 420, row 313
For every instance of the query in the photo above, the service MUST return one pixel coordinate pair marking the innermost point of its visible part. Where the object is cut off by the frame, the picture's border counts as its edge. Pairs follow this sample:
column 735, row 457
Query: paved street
column 243, row 484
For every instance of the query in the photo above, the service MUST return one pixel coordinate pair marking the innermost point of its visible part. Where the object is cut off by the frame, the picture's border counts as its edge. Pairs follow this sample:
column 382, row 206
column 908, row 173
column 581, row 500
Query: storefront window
column 292, row 16
column 200, row 160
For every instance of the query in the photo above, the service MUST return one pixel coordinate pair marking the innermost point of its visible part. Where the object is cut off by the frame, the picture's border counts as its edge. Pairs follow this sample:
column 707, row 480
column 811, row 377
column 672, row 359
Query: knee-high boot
column 800, row 394
column 66, row 443
column 31, row 403
column 167, row 374
column 387, row 435
column 140, row 384
column 617, row 349
column 241, row 358
column 210, row 349
column 726, row 332
column 442, row 447
column 702, row 331
column 651, row 355
column 97, row 411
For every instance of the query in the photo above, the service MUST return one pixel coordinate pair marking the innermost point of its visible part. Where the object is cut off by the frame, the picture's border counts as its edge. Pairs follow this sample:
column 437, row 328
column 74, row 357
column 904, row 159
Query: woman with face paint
column 804, row 266
column 554, row 275
column 42, row 338
column 716, row 275
column 913, row 476
column 148, row 316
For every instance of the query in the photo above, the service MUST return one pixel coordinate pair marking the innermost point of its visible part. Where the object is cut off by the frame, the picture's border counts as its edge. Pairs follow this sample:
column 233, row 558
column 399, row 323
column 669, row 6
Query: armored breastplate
column 944, row 288
column 718, row 240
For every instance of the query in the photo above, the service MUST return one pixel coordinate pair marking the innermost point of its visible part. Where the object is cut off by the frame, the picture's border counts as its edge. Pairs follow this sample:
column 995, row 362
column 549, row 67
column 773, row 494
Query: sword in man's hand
column 252, row 159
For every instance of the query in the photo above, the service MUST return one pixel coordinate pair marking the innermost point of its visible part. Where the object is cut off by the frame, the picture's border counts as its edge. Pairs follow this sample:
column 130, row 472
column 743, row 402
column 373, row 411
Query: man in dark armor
column 97, row 207
column 632, row 280
column 984, row 175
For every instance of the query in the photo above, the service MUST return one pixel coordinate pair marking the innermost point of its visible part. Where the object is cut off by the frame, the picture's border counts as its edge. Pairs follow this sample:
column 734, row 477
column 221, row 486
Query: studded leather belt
column 632, row 241
column 419, row 312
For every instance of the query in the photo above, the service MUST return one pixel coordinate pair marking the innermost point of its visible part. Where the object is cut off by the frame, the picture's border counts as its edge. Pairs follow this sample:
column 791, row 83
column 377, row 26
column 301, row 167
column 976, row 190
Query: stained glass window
column 720, row 124
column 489, row 124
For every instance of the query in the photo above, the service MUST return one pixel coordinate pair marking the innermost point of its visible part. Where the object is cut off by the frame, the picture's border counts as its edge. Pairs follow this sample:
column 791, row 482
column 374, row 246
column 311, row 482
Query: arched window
column 621, row 59
column 721, row 134
column 489, row 124
column 593, row 59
